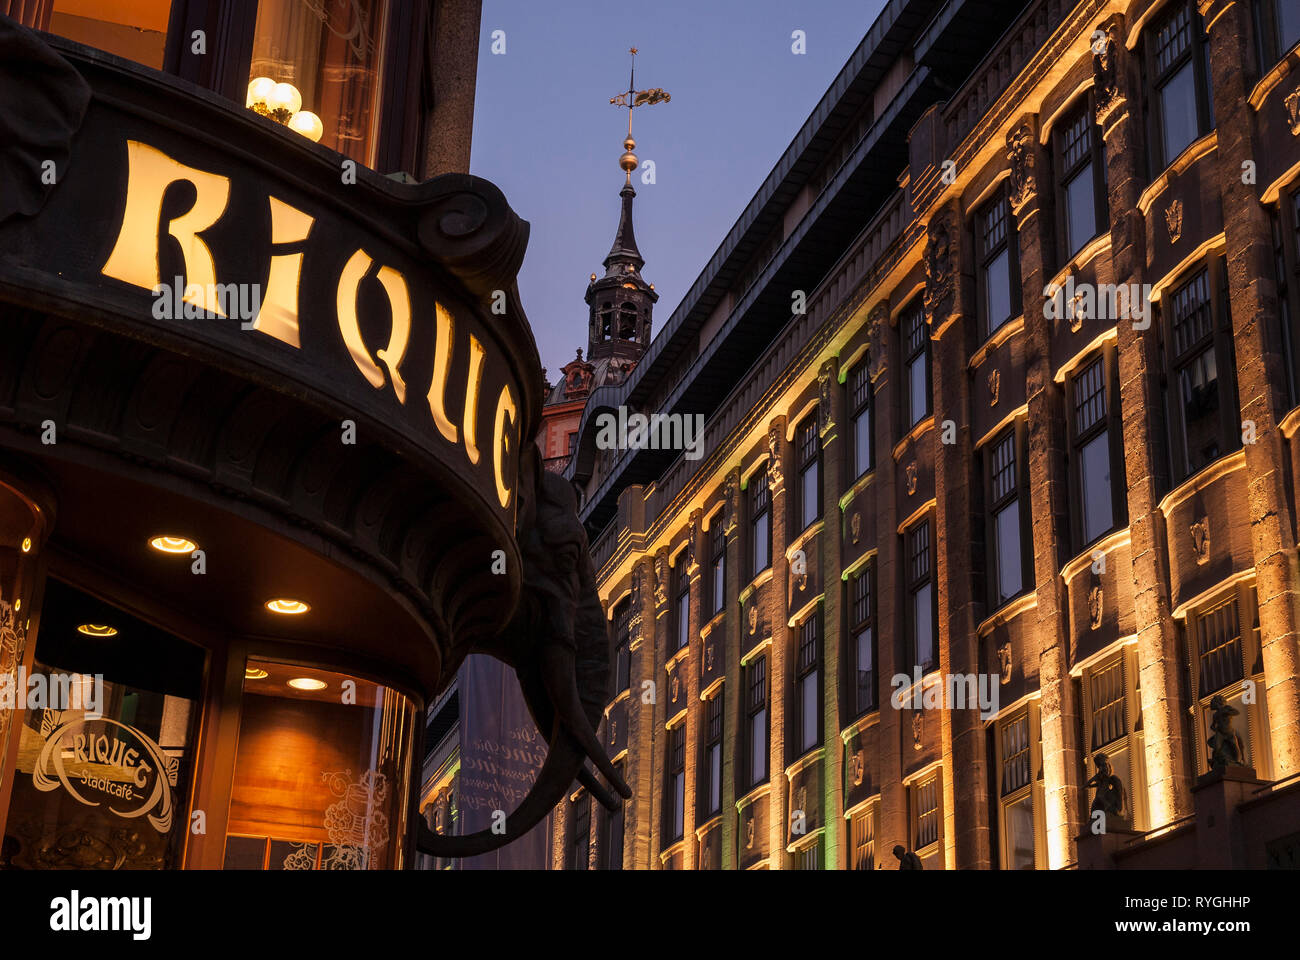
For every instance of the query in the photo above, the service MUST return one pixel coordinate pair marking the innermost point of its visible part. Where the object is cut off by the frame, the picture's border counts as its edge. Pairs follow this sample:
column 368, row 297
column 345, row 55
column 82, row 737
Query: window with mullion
column 756, row 722
column 760, row 524
column 862, row 618
column 809, row 462
column 622, row 646
column 916, row 344
column 614, row 834
column 808, row 681
column 999, row 273
column 683, row 616
column 862, row 839
column 1202, row 389
column 712, row 795
column 860, row 412
column 580, row 835
column 1177, row 63
column 1016, row 796
column 921, row 633
column 1081, row 181
column 927, row 822
column 1284, row 220
column 1277, row 30
column 717, row 565
column 676, row 806
column 1091, row 449
column 1004, row 541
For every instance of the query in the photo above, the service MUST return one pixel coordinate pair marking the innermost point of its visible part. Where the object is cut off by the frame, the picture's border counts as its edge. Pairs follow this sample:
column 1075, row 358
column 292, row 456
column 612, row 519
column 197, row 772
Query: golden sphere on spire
column 628, row 162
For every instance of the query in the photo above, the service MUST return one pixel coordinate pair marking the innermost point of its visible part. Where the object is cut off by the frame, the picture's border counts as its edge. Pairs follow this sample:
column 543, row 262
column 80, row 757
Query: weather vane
column 632, row 99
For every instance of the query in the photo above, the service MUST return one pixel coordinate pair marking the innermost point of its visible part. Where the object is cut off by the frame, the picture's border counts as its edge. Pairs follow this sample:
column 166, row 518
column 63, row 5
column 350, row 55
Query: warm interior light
column 97, row 630
column 27, row 544
column 259, row 90
column 308, row 124
column 173, row 544
column 307, row 683
column 287, row 606
column 255, row 673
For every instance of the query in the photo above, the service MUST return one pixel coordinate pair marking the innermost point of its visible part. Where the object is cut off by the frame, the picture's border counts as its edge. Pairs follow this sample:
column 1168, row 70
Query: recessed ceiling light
column 97, row 630
column 255, row 673
column 165, row 544
column 287, row 606
column 307, row 683
column 27, row 544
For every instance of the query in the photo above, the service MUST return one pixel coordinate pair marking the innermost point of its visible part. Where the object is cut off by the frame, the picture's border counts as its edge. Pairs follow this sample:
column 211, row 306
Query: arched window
column 606, row 320
column 627, row 321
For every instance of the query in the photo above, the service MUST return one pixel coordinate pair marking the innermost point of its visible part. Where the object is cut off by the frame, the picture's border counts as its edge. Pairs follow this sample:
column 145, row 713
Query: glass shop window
column 329, row 52
column 322, row 772
column 105, row 764
column 135, row 30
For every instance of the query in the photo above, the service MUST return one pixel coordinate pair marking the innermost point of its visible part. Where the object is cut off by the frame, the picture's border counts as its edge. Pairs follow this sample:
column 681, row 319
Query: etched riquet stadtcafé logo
column 113, row 761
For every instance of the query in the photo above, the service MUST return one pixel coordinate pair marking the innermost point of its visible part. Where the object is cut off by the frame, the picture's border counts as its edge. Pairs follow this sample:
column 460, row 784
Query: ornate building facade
column 992, row 554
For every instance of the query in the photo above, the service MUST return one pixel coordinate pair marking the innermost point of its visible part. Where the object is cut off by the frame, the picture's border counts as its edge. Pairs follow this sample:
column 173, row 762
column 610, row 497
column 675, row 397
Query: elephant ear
column 43, row 100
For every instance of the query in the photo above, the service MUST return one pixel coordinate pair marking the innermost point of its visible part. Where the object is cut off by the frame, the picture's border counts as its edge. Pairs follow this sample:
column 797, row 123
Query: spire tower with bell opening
column 620, row 303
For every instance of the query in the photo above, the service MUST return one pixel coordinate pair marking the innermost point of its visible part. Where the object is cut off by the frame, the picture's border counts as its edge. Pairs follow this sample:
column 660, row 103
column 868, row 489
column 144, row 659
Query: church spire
column 621, row 302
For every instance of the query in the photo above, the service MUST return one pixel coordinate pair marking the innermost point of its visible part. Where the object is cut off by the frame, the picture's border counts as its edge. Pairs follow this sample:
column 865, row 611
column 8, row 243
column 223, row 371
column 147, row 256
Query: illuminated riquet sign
column 290, row 310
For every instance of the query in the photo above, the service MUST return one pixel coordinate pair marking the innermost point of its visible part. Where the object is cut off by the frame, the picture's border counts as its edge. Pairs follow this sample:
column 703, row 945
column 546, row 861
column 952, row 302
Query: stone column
column 732, row 688
column 694, row 711
column 1261, row 374
column 1048, row 494
column 831, row 414
column 1119, row 96
column 778, row 672
column 961, row 607
column 638, row 811
column 659, row 742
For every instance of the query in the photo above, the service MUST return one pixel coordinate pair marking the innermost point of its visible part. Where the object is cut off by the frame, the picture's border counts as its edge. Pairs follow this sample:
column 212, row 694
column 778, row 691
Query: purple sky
column 545, row 133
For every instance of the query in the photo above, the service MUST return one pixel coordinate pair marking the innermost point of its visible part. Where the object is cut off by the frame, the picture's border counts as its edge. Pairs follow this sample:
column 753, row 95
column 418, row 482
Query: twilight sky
column 546, row 134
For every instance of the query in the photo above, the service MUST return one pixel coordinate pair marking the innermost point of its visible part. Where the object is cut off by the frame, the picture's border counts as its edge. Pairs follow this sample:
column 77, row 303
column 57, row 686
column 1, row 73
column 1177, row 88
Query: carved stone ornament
column 940, row 253
column 1095, row 605
column 613, row 731
column 1105, row 71
column 858, row 765
column 801, row 582
column 753, row 619
column 916, row 729
column 855, row 527
column 1077, row 308
column 910, row 473
column 706, row 856
column 691, row 532
column 1004, row 662
column 774, row 474
column 708, row 656
column 733, row 504
column 877, row 325
column 1201, row 540
column 1174, row 220
column 1020, row 154
column 802, row 797
column 1292, row 105
column 749, row 832
column 825, row 377
column 661, row 581
column 995, row 382
column 675, row 684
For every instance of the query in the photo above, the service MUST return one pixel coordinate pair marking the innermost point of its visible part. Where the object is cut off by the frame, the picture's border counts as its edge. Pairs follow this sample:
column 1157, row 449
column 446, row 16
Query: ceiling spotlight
column 165, row 544
column 255, row 673
column 307, row 683
column 286, row 606
column 27, row 544
column 97, row 630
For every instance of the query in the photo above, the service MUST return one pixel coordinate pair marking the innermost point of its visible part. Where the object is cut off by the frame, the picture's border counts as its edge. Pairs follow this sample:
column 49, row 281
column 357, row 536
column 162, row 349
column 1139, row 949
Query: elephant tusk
column 562, row 686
